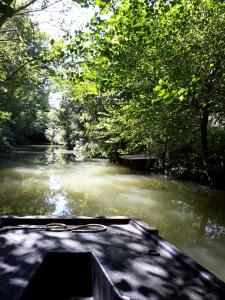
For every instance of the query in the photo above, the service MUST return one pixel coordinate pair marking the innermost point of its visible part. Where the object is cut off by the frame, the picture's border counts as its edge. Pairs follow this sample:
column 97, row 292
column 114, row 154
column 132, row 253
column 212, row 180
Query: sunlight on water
column 61, row 204
column 39, row 181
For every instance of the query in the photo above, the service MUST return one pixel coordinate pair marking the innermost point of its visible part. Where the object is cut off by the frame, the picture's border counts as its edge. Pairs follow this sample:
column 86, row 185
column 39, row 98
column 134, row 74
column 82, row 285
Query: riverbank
column 212, row 176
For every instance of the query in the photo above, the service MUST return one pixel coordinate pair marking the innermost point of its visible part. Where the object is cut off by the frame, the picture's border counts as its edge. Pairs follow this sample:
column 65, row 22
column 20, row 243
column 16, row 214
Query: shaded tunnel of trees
column 141, row 77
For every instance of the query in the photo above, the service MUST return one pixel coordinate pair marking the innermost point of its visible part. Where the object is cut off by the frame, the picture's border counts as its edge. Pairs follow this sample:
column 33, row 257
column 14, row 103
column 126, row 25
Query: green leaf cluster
column 24, row 85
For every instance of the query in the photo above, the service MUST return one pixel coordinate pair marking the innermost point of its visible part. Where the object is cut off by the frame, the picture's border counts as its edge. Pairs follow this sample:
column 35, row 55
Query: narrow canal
column 49, row 181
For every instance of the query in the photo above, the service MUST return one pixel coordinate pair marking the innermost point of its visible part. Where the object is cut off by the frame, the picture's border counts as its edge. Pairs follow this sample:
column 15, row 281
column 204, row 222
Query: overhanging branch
column 17, row 70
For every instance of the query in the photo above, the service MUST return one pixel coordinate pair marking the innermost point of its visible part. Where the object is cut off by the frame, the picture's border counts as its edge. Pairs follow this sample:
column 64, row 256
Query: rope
column 60, row 227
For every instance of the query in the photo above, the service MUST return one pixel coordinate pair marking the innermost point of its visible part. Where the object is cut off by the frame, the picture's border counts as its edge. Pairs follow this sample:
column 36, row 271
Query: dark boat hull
column 128, row 259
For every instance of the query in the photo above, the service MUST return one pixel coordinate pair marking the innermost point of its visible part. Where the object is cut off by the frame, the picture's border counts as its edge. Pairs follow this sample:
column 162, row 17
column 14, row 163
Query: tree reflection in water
column 213, row 231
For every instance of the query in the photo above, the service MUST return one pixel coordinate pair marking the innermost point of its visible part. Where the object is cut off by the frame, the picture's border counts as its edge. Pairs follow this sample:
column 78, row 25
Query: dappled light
column 122, row 252
column 111, row 108
column 97, row 187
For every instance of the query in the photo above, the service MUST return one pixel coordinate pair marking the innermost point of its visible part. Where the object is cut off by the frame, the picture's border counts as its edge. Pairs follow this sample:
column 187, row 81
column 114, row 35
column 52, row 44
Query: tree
column 23, row 80
column 12, row 8
column 157, row 68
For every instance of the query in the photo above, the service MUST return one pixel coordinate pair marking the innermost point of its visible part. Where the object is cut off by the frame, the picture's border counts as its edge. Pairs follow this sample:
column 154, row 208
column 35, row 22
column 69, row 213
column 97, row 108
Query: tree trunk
column 204, row 141
column 204, row 134
column 3, row 18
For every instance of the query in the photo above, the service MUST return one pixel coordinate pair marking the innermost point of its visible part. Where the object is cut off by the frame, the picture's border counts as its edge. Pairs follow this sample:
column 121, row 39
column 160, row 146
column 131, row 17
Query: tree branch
column 24, row 6
column 8, row 41
column 17, row 70
column 20, row 9
column 41, row 9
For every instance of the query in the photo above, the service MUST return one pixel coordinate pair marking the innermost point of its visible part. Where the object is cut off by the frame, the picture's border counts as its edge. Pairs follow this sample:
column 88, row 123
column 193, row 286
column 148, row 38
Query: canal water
column 49, row 181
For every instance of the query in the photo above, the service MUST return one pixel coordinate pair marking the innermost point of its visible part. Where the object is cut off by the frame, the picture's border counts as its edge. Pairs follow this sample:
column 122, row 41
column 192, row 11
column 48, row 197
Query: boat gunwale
column 43, row 220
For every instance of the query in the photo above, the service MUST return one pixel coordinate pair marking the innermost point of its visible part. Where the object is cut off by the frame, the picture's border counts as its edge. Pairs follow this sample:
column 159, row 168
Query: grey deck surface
column 123, row 252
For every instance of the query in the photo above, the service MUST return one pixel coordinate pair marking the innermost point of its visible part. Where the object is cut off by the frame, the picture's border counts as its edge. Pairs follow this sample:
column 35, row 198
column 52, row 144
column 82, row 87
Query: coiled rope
column 60, row 227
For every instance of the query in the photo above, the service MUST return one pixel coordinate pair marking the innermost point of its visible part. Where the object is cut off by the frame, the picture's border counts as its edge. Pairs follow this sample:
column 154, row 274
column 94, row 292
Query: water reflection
column 38, row 181
column 57, row 197
column 58, row 157
column 61, row 204
column 213, row 231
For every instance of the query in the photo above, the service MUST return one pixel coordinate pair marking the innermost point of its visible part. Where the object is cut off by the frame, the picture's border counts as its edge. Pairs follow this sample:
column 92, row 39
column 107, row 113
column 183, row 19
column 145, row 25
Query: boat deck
column 140, row 264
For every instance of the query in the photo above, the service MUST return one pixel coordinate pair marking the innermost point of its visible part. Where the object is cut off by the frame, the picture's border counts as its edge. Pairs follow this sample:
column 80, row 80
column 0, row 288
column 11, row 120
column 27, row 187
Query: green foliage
column 150, row 77
column 144, row 77
column 23, row 81
column 4, row 128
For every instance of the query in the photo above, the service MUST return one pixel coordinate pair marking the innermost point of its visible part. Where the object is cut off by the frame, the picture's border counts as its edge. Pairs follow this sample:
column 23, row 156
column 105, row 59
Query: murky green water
column 39, row 181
